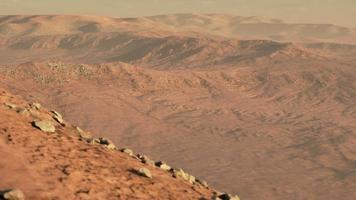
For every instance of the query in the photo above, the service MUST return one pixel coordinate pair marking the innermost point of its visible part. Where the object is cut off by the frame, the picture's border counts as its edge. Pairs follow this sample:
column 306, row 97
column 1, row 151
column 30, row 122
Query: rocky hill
column 267, row 123
column 263, row 119
column 45, row 157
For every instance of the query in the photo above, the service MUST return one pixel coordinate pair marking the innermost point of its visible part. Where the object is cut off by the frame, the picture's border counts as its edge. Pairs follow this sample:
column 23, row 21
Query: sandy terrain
column 262, row 119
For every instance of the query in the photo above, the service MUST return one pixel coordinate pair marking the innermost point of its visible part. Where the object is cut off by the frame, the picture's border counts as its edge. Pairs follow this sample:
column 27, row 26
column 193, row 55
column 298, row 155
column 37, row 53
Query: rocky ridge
column 41, row 141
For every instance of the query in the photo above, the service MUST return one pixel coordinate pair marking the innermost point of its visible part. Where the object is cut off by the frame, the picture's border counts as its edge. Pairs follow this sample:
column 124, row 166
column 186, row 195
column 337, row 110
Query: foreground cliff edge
column 45, row 157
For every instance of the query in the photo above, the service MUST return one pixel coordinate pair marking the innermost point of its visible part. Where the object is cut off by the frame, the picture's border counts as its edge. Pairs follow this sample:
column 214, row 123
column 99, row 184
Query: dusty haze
column 341, row 12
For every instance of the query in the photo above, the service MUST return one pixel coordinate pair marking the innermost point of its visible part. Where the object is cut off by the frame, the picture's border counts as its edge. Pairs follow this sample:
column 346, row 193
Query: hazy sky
column 341, row 12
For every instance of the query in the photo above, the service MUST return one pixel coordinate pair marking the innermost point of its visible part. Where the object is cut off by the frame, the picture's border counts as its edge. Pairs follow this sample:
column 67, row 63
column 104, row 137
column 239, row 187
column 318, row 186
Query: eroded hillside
column 47, row 158
column 254, row 131
column 260, row 118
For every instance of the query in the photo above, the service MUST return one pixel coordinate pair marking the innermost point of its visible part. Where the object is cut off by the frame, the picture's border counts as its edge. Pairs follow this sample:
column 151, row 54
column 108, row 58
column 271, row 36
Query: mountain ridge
column 216, row 24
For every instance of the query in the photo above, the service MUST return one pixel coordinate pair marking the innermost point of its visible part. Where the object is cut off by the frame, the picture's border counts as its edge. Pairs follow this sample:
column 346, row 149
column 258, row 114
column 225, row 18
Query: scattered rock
column 108, row 143
column 144, row 172
column 226, row 196
column 36, row 105
column 145, row 159
column 127, row 151
column 104, row 141
column 86, row 136
column 96, row 141
column 45, row 126
column 56, row 113
column 111, row 146
column 13, row 194
column 163, row 166
column 58, row 117
column 10, row 105
column 185, row 176
column 59, row 120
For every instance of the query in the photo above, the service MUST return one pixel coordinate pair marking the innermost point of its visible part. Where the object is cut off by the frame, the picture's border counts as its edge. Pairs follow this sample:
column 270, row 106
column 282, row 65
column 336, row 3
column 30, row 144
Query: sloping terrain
column 152, row 51
column 271, row 133
column 153, row 42
column 260, row 118
column 60, row 166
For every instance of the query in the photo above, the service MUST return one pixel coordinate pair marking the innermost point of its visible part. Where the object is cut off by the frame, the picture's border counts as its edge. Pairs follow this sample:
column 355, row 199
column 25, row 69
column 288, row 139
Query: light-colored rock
column 56, row 113
column 108, row 143
column 86, row 136
column 13, row 194
column 185, row 176
column 45, row 126
column 127, row 151
column 10, row 105
column 144, row 172
column 111, row 146
column 58, row 117
column 96, row 141
column 145, row 159
column 202, row 183
column 162, row 165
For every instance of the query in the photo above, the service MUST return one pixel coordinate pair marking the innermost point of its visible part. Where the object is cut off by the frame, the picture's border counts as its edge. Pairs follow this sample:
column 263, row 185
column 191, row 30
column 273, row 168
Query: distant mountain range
column 215, row 24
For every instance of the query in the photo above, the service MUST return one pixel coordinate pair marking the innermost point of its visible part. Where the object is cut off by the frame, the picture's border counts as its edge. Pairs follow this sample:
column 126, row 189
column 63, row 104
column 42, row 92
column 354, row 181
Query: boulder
column 45, row 126
column 162, row 165
column 13, row 194
column 144, row 172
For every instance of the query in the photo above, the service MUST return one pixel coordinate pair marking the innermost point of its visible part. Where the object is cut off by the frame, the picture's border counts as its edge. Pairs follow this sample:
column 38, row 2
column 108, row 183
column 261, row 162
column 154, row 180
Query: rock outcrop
column 45, row 126
column 144, row 172
column 13, row 194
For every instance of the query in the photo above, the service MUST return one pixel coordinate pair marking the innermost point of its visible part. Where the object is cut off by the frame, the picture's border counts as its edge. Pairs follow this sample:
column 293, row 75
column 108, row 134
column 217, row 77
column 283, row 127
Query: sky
column 341, row 12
